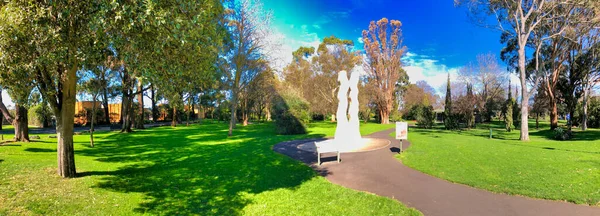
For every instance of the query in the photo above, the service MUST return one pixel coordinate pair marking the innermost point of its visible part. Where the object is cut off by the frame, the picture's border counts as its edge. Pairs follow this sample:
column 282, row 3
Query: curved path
column 380, row 173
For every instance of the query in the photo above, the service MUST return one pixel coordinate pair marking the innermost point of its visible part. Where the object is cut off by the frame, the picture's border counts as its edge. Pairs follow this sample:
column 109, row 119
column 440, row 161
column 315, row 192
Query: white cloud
column 6, row 99
column 283, row 45
column 360, row 40
column 316, row 26
column 423, row 67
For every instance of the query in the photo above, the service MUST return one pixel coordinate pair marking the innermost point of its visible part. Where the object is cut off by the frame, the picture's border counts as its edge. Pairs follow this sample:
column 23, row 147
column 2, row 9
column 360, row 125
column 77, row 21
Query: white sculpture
column 347, row 132
column 341, row 131
column 353, row 123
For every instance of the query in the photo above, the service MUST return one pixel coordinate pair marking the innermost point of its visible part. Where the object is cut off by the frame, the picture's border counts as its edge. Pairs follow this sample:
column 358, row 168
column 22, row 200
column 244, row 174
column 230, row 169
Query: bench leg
column 319, row 159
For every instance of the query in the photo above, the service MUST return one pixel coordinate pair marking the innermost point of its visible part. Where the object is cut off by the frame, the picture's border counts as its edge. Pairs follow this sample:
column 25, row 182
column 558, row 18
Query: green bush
column 40, row 115
column 425, row 116
column 562, row 134
column 290, row 112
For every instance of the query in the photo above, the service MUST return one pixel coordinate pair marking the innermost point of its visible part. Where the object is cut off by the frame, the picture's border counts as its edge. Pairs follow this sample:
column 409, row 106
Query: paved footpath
column 380, row 173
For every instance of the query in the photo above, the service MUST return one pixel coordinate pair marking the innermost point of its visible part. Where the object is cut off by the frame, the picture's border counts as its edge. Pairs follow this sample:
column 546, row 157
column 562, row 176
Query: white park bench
column 326, row 147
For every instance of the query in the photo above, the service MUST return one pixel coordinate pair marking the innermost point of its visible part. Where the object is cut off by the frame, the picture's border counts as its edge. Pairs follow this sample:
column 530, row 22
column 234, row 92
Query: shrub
column 40, row 115
column 290, row 112
column 426, row 116
column 562, row 134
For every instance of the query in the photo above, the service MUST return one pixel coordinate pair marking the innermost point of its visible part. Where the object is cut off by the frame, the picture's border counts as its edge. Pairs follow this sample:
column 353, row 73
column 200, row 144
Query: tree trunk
column 46, row 120
column 537, row 121
column 174, row 120
column 245, row 118
column 333, row 118
column 570, row 121
column 200, row 110
column 127, row 102
column 385, row 116
column 153, row 101
column 268, row 113
column 93, row 121
column 585, row 110
column 20, row 124
column 139, row 124
column 553, row 115
column 4, row 110
column 105, row 104
column 64, row 126
column 233, row 113
column 125, row 113
column 524, row 135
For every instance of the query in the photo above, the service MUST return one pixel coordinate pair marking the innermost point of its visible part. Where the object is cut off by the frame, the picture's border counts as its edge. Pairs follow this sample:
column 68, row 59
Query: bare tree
column 245, row 59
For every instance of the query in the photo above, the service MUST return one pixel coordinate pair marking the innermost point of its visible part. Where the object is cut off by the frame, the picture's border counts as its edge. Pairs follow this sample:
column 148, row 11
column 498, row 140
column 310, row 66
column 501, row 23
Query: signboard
column 401, row 130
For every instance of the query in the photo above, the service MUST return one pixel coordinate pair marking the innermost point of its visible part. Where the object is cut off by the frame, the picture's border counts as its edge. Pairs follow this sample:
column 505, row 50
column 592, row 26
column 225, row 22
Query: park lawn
column 179, row 171
column 541, row 168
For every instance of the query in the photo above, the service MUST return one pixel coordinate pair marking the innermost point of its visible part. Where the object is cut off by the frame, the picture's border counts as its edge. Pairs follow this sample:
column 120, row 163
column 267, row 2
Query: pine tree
column 508, row 110
column 448, row 116
column 516, row 111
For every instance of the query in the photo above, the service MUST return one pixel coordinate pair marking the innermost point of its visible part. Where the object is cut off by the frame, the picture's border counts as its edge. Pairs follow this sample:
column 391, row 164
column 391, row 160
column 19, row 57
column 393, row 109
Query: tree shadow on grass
column 196, row 169
column 40, row 150
column 578, row 135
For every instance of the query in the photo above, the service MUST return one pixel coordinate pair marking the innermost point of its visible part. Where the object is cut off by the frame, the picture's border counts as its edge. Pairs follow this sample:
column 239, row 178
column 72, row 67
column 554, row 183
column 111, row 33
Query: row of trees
column 547, row 43
column 186, row 53
column 211, row 54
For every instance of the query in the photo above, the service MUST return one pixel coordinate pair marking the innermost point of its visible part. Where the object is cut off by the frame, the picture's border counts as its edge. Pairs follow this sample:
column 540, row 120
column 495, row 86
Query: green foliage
column 40, row 115
column 562, row 134
column 425, row 116
column 508, row 114
column 223, row 111
column 290, row 112
column 450, row 122
column 593, row 112
column 516, row 114
column 541, row 168
column 395, row 115
column 303, row 52
column 333, row 40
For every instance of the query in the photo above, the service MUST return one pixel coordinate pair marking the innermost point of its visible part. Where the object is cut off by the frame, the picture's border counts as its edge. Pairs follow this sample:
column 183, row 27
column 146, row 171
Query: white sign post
column 401, row 132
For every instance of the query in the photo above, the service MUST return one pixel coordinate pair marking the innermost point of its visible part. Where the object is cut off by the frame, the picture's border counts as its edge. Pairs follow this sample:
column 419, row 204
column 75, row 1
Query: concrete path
column 380, row 173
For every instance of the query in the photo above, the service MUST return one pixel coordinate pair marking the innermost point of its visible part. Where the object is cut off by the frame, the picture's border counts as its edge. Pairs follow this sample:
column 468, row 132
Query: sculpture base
column 363, row 145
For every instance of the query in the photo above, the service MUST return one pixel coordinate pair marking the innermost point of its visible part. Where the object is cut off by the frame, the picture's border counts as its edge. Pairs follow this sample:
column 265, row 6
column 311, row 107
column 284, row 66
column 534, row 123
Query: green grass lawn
column 541, row 168
column 179, row 171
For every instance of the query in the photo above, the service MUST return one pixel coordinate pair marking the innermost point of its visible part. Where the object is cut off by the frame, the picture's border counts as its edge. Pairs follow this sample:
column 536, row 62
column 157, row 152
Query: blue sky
column 439, row 36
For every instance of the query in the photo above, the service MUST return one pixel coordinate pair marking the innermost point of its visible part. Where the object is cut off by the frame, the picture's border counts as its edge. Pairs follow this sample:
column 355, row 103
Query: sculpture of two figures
column 347, row 132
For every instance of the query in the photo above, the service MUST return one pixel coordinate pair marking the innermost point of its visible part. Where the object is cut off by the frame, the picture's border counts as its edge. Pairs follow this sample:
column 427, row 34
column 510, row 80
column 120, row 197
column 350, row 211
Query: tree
column 465, row 107
column 92, row 85
column 540, row 106
column 52, row 39
column 508, row 110
column 449, row 121
column 383, row 52
column 524, row 21
column 416, row 95
column 20, row 119
column 487, row 80
column 592, row 77
column 248, row 26
column 334, row 55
